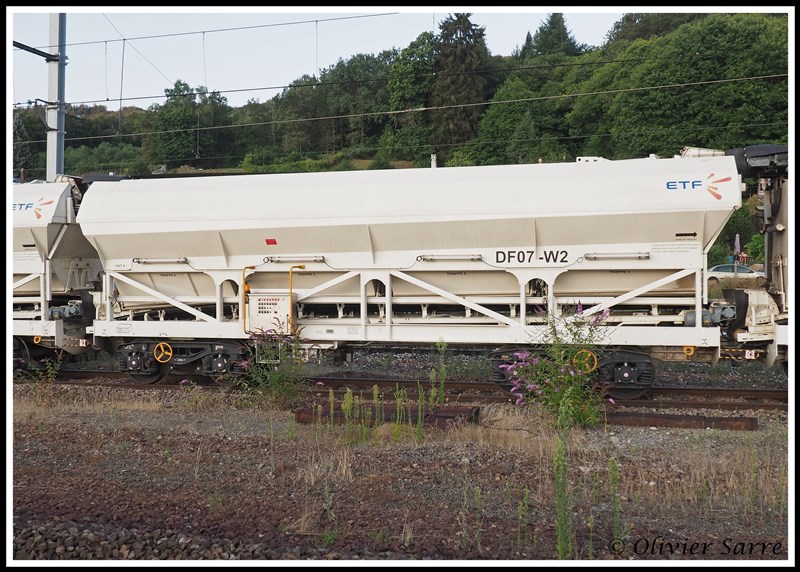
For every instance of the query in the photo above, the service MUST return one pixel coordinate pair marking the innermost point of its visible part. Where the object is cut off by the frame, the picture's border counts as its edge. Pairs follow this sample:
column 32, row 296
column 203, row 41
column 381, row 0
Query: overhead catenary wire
column 106, row 166
column 418, row 77
column 234, row 29
column 434, row 108
column 128, row 41
column 205, row 71
column 203, row 32
column 121, row 82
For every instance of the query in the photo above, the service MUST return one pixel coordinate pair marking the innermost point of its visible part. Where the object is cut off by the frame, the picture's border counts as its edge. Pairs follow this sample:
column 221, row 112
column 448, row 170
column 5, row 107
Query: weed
column 216, row 500
column 378, row 404
column 194, row 398
column 331, row 405
column 419, row 434
column 291, row 429
column 400, row 399
column 559, row 373
column 317, row 421
column 46, row 369
column 348, row 409
column 407, row 533
column 470, row 517
column 197, row 465
column 380, row 536
column 564, row 525
column 618, row 528
column 329, row 537
column 272, row 463
column 274, row 365
column 345, row 466
column 752, row 479
column 523, row 508
column 783, row 482
column 327, row 503
column 438, row 375
column 366, row 423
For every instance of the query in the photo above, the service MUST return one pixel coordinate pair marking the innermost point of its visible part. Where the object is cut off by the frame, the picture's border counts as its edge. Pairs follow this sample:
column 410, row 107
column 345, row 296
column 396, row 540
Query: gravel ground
column 106, row 474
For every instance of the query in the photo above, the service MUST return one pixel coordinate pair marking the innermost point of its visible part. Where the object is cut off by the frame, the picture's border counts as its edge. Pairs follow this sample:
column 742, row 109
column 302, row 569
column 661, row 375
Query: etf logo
column 694, row 184
column 35, row 207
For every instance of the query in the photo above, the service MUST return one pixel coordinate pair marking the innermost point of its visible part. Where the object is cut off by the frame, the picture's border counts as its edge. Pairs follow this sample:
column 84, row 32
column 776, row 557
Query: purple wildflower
column 600, row 317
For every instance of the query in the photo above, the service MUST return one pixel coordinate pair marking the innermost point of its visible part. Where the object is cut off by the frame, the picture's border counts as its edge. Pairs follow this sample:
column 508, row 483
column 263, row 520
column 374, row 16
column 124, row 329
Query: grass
column 613, row 480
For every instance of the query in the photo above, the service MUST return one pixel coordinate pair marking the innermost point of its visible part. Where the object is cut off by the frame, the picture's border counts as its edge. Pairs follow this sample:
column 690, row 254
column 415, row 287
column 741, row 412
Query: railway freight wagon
column 54, row 270
column 468, row 255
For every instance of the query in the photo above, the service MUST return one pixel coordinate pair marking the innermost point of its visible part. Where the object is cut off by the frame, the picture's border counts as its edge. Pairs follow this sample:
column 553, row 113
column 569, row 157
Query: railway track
column 462, row 400
column 460, row 392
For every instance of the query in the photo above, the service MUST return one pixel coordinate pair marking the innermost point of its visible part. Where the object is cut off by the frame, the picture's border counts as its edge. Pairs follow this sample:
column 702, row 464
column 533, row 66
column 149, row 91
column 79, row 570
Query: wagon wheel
column 186, row 368
column 617, row 390
column 150, row 377
column 626, row 392
column 22, row 356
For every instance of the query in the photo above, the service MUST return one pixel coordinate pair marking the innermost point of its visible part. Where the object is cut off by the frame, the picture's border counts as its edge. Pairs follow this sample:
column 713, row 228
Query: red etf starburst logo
column 712, row 189
column 37, row 210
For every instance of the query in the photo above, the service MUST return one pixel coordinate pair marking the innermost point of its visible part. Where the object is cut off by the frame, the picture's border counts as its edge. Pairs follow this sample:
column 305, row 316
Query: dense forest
column 658, row 82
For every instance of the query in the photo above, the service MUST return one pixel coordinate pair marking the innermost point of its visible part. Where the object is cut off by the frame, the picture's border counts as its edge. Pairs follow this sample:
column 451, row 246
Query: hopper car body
column 190, row 268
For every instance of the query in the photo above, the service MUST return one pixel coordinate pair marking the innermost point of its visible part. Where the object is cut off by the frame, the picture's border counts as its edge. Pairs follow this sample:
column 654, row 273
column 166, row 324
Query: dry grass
column 738, row 478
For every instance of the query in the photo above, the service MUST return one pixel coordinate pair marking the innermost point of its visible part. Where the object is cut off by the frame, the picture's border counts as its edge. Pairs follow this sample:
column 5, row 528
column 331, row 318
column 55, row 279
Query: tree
column 107, row 157
column 410, row 79
column 755, row 248
column 552, row 37
column 637, row 109
column 407, row 135
column 23, row 155
column 258, row 139
column 526, row 51
column 499, row 123
column 177, row 121
column 213, row 145
column 638, row 25
column 460, row 57
column 357, row 89
column 297, row 109
column 29, row 128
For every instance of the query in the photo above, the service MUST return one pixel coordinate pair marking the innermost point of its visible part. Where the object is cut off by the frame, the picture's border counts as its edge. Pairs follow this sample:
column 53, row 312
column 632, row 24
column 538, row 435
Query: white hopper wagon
column 466, row 255
column 54, row 269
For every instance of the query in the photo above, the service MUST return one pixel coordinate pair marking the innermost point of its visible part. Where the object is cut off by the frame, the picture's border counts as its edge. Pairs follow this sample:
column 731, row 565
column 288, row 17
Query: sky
column 128, row 55
column 240, row 53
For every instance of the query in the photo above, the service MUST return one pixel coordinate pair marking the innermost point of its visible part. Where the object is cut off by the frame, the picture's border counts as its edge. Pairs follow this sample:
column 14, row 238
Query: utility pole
column 56, row 106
